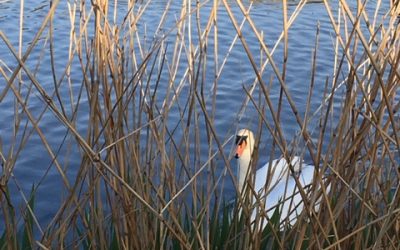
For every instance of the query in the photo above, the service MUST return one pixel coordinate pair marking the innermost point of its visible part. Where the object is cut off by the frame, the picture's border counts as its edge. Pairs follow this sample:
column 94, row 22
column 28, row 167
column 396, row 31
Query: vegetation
column 137, row 117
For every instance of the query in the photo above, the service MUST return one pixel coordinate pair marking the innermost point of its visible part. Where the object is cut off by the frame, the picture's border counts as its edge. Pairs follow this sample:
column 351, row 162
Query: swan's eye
column 240, row 139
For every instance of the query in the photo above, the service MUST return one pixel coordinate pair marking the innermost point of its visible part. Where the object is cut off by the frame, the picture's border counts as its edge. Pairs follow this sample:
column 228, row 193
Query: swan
column 274, row 184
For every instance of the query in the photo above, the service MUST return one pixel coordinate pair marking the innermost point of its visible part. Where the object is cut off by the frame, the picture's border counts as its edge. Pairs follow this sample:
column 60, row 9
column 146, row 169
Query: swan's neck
column 245, row 147
column 243, row 169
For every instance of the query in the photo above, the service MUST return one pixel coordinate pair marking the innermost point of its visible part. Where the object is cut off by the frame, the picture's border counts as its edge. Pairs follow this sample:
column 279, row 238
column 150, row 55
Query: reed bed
column 144, row 105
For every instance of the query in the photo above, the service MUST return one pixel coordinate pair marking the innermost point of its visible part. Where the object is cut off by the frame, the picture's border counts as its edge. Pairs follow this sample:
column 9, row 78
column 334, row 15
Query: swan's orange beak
column 240, row 148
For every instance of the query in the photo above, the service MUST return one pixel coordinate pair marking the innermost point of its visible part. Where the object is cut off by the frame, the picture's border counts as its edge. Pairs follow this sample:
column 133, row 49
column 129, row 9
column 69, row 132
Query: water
column 33, row 165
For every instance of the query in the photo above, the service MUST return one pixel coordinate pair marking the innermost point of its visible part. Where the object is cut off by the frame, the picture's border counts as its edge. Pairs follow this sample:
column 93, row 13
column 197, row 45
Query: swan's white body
column 282, row 189
column 274, row 183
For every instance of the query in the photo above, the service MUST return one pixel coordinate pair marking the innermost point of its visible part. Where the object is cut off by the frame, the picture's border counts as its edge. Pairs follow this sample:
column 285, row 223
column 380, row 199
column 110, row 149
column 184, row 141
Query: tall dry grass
column 143, row 181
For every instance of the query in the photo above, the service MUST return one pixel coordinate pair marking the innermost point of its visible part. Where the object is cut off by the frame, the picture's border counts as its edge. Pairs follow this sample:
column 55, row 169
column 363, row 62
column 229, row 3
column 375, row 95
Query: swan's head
column 244, row 144
column 244, row 149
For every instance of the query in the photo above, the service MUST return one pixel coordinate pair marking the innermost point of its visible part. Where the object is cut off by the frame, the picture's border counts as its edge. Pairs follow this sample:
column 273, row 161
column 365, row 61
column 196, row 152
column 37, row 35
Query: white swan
column 281, row 189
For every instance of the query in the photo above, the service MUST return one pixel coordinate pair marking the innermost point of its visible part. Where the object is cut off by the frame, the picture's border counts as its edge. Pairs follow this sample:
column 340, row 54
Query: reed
column 144, row 105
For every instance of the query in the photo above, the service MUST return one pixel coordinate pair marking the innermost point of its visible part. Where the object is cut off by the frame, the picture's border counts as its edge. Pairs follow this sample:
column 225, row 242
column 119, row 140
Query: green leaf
column 268, row 238
column 114, row 241
column 27, row 230
column 3, row 241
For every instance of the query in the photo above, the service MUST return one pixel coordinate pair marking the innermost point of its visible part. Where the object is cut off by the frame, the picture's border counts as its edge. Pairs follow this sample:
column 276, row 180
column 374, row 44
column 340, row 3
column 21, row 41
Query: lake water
column 33, row 165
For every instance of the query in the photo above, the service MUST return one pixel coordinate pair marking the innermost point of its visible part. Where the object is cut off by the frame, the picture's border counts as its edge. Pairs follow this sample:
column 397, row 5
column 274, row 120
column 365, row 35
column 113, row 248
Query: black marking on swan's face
column 240, row 139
